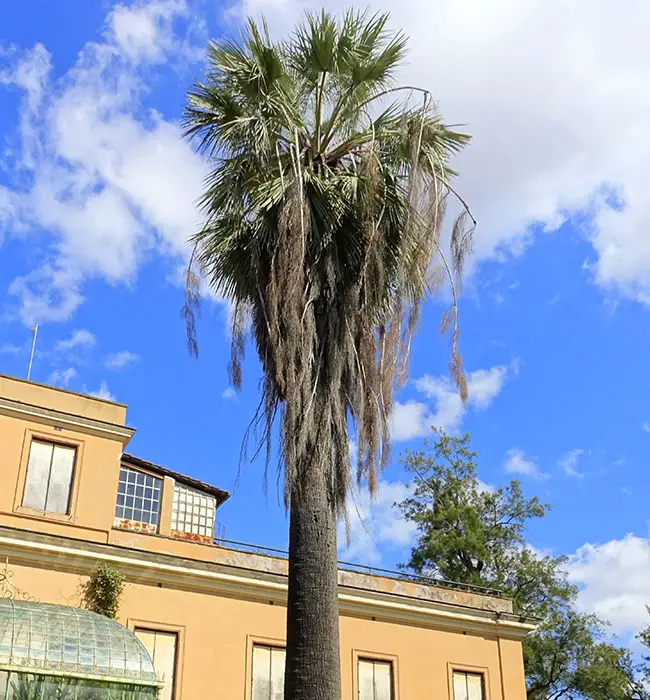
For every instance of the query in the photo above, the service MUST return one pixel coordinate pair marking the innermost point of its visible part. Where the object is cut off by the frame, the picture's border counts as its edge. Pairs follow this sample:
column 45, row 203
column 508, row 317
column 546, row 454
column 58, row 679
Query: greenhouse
column 54, row 652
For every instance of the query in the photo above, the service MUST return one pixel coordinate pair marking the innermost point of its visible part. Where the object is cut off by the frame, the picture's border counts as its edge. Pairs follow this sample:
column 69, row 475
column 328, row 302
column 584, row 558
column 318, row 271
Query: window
column 193, row 511
column 162, row 650
column 49, row 477
column 268, row 673
column 468, row 686
column 375, row 680
column 138, row 497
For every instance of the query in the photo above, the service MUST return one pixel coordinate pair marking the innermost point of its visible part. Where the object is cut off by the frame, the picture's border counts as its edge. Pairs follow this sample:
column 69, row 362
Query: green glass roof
column 59, row 640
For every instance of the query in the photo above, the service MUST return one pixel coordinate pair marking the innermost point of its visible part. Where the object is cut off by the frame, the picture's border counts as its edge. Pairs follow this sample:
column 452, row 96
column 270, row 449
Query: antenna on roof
column 34, row 330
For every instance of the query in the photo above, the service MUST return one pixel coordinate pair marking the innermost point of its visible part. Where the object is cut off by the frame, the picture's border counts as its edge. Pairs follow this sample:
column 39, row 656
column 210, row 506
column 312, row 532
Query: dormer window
column 193, row 512
column 138, row 499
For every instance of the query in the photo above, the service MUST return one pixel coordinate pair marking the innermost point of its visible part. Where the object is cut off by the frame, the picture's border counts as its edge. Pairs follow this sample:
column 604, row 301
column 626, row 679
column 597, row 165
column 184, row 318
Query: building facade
column 211, row 614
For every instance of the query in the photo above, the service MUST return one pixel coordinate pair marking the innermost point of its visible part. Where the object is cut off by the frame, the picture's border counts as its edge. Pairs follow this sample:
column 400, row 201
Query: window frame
column 179, row 528
column 145, row 527
column 251, row 642
column 482, row 671
column 365, row 655
column 383, row 662
column 74, row 442
column 135, row 624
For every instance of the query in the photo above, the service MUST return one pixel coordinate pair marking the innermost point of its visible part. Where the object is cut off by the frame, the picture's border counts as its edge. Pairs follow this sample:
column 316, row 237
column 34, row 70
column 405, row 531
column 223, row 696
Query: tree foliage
column 473, row 533
column 103, row 591
column 323, row 211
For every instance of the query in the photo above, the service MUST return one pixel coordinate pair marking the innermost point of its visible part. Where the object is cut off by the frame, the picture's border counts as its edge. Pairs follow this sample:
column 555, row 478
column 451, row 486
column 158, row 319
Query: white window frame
column 151, row 483
column 60, row 454
column 461, row 674
column 276, row 662
column 169, row 691
column 374, row 662
column 193, row 511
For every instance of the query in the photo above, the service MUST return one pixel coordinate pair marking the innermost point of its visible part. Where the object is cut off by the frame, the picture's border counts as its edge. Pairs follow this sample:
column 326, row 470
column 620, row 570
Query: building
column 211, row 614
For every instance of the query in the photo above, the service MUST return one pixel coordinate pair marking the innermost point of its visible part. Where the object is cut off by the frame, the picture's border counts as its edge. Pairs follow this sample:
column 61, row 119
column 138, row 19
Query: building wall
column 62, row 400
column 216, row 634
column 217, row 623
column 95, row 480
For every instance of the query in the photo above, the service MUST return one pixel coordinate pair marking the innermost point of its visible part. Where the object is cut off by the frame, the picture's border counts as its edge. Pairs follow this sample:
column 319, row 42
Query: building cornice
column 238, row 582
column 81, row 424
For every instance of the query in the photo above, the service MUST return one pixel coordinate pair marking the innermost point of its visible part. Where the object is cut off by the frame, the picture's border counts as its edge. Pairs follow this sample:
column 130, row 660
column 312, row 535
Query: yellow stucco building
column 211, row 614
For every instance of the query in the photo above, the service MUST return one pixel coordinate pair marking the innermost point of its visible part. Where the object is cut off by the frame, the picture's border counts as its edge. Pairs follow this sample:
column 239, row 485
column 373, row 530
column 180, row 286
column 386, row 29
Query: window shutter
column 261, row 673
column 58, row 492
column 278, row 660
column 468, row 686
column 460, row 686
column 375, row 680
column 162, row 650
column 38, row 472
column 474, row 686
column 383, row 681
column 268, row 672
column 366, row 680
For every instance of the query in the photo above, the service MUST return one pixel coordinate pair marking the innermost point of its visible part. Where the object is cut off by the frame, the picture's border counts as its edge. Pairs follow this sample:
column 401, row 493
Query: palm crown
column 323, row 212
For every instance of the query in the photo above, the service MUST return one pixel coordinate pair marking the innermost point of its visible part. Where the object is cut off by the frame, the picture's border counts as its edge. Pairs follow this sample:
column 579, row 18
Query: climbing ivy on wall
column 104, row 590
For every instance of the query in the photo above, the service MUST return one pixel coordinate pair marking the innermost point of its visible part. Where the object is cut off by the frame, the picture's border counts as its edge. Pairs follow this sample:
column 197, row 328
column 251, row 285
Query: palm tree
column 322, row 215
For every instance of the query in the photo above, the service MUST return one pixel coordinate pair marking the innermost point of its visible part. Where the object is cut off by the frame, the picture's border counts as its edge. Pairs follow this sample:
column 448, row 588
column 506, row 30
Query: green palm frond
column 323, row 212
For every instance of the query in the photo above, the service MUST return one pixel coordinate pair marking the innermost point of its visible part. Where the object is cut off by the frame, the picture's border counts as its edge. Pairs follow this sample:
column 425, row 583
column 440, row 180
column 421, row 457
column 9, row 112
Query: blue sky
column 97, row 196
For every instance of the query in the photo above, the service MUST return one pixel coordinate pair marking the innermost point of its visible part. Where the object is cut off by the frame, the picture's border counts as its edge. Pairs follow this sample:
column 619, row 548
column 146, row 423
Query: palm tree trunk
column 313, row 670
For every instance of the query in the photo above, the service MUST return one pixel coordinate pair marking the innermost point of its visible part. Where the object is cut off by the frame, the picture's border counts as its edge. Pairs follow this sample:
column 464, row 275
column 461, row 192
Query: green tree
column 644, row 638
column 102, row 592
column 472, row 533
column 322, row 213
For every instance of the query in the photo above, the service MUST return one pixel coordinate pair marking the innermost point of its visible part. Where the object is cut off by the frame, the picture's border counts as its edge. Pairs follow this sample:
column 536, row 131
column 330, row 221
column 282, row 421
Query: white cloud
column 228, row 394
column 108, row 182
column 517, row 463
column 484, row 487
column 62, row 377
column 30, row 73
column 376, row 527
column 121, row 359
column 626, row 491
column 10, row 349
column 410, row 420
column 48, row 293
column 80, row 338
column 416, row 418
column 111, row 182
column 646, row 427
column 6, row 210
column 144, row 31
column 555, row 132
column 615, row 581
column 569, row 463
column 102, row 393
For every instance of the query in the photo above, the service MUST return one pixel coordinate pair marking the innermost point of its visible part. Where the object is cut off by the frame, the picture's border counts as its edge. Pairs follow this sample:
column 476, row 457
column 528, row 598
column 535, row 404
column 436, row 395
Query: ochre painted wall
column 62, row 400
column 216, row 634
column 95, row 480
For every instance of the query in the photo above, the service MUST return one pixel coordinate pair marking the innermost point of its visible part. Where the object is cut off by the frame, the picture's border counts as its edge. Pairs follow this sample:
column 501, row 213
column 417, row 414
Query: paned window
column 138, row 497
column 193, row 511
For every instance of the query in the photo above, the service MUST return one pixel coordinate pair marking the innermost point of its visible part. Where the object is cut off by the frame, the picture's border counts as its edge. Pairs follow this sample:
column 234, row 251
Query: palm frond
column 322, row 216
